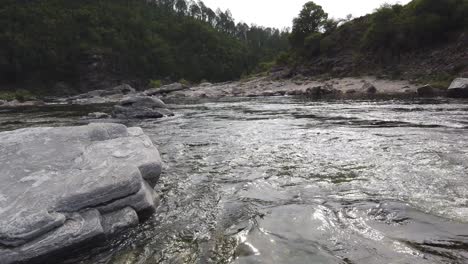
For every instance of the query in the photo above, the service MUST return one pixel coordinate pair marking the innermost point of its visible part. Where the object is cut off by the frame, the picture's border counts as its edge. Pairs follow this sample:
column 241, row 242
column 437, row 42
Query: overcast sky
column 280, row 13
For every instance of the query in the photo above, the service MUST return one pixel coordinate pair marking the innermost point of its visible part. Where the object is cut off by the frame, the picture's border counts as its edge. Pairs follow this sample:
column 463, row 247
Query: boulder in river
column 62, row 187
column 369, row 88
column 459, row 88
column 428, row 91
column 141, row 107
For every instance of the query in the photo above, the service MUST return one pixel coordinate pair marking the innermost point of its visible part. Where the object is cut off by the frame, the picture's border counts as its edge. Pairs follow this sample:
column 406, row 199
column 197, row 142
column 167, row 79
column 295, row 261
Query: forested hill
column 48, row 41
column 424, row 39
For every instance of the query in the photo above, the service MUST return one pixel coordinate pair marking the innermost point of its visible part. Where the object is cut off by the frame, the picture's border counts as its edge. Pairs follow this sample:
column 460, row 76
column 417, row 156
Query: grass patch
column 20, row 95
column 440, row 81
column 155, row 83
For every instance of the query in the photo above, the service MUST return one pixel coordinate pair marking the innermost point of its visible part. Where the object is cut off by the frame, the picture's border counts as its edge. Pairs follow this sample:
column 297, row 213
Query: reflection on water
column 281, row 180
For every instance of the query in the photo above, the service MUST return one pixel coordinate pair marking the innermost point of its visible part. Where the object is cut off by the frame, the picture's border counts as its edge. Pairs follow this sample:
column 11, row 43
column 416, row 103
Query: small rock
column 205, row 84
column 314, row 91
column 98, row 115
column 369, row 88
column 166, row 89
column 459, row 88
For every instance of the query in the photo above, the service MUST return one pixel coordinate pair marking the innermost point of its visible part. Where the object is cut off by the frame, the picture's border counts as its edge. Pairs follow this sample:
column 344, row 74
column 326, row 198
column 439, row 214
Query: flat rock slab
column 63, row 186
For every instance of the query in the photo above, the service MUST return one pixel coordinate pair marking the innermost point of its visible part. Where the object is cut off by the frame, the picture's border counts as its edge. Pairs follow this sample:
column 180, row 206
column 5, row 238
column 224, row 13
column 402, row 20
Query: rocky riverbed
column 292, row 180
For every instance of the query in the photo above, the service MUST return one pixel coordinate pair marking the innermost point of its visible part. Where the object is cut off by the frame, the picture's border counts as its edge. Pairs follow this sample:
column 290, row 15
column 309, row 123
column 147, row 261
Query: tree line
column 46, row 40
column 387, row 33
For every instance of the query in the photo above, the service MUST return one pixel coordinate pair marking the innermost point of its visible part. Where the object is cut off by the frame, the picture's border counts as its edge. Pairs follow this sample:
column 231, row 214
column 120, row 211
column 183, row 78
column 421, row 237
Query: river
column 284, row 180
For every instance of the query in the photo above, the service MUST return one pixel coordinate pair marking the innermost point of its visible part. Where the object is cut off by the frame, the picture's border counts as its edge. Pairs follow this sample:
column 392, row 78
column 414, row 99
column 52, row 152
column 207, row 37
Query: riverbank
column 367, row 87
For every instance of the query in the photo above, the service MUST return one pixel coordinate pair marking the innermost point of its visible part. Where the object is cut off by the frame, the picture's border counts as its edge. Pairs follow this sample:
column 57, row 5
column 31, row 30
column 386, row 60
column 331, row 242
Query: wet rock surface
column 141, row 107
column 65, row 186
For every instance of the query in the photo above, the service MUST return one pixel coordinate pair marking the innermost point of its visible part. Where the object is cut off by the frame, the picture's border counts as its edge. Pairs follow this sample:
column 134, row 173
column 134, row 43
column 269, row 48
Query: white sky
column 280, row 13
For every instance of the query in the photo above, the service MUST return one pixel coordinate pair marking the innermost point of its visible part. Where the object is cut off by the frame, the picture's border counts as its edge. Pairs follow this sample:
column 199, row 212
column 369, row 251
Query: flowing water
column 282, row 180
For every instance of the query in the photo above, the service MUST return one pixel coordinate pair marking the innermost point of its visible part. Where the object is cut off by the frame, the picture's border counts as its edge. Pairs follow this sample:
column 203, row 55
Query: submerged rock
column 65, row 186
column 141, row 107
column 459, row 88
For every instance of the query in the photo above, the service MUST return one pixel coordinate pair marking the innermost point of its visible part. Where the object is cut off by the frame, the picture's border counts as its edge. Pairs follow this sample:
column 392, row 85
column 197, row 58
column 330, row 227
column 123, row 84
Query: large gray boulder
column 459, row 88
column 62, row 187
column 141, row 107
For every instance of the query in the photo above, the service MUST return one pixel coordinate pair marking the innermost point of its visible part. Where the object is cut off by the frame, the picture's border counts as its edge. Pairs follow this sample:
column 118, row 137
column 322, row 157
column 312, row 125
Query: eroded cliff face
column 446, row 60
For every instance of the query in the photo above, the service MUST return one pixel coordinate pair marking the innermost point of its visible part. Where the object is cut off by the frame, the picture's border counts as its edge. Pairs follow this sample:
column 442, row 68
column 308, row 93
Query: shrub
column 184, row 82
column 312, row 44
column 20, row 95
column 283, row 59
column 155, row 83
column 326, row 45
column 23, row 95
column 265, row 66
column 7, row 96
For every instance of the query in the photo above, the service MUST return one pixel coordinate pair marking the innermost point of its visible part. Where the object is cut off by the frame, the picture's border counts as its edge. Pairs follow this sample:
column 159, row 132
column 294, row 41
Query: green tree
column 181, row 6
column 311, row 20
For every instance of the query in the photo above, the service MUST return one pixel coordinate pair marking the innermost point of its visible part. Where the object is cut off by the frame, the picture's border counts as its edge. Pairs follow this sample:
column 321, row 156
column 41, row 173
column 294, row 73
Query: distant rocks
column 121, row 89
column 429, row 91
column 459, row 88
column 369, row 88
column 321, row 91
column 141, row 107
column 17, row 103
column 98, row 115
column 114, row 94
column 62, row 187
column 166, row 89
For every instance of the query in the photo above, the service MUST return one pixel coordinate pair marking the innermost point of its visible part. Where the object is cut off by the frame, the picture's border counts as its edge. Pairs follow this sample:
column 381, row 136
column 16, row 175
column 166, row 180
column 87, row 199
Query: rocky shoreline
column 336, row 88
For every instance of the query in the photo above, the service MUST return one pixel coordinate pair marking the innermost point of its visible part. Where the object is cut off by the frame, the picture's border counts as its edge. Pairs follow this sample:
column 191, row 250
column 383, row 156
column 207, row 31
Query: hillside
column 425, row 40
column 91, row 44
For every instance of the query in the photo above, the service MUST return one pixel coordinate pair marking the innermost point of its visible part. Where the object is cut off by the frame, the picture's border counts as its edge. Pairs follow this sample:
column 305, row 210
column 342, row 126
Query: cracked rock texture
column 64, row 186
